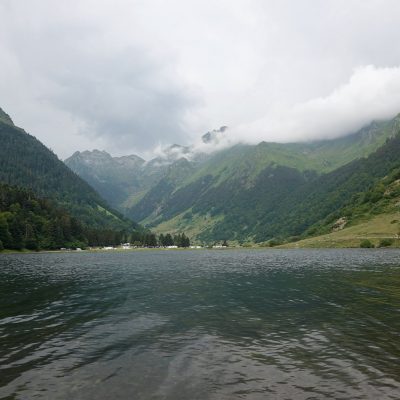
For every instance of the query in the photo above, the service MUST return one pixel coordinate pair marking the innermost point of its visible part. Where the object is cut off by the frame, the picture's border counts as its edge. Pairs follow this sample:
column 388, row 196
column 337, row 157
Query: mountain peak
column 214, row 135
column 5, row 118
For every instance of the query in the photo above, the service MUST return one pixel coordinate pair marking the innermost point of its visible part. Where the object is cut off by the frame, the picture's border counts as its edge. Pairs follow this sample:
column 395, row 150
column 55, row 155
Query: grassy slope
column 321, row 156
column 192, row 228
column 373, row 215
column 243, row 164
column 377, row 228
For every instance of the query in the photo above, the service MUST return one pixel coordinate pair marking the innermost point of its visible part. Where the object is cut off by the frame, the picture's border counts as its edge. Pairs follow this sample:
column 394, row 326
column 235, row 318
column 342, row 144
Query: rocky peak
column 5, row 118
column 214, row 135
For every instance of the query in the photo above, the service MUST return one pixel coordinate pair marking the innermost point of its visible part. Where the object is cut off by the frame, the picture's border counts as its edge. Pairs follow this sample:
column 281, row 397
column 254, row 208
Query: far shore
column 291, row 246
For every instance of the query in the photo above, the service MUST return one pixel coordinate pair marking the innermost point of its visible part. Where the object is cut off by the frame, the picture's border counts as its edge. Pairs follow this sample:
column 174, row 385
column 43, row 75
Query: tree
column 182, row 240
column 31, row 242
column 5, row 235
column 169, row 241
column 136, row 237
column 17, row 233
column 150, row 240
column 385, row 242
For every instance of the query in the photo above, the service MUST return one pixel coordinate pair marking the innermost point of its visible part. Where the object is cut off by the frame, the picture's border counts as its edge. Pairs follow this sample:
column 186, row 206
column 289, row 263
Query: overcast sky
column 129, row 75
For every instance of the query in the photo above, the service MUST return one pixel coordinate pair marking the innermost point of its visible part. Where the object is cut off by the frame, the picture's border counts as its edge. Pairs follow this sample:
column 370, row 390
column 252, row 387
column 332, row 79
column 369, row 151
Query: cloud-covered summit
column 131, row 76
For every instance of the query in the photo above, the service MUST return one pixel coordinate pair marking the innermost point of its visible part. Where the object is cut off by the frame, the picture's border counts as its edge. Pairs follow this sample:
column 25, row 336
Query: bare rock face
column 4, row 117
column 339, row 224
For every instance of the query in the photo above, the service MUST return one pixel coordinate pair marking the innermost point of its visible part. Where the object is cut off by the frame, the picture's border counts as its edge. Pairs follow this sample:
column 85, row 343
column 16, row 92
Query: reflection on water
column 302, row 324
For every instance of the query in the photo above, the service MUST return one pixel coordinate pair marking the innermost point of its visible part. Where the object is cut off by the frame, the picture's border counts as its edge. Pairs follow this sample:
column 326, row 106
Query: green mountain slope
column 129, row 183
column 371, row 216
column 318, row 204
column 26, row 162
column 250, row 192
column 321, row 156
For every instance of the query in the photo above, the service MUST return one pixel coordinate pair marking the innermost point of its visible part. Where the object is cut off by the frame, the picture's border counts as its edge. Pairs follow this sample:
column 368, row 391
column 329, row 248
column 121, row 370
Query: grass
column 191, row 227
column 374, row 230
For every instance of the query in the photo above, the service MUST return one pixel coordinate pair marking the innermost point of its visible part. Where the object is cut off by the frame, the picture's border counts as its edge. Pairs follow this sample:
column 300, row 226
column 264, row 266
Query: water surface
column 290, row 324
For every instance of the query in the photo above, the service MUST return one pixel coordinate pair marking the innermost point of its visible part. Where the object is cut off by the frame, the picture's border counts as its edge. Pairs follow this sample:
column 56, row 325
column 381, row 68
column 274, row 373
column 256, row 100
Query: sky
column 129, row 76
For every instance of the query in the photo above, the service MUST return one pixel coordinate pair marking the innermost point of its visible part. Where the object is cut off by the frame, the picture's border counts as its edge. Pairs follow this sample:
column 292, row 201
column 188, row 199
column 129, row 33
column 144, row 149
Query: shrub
column 274, row 242
column 366, row 244
column 1, row 246
column 385, row 242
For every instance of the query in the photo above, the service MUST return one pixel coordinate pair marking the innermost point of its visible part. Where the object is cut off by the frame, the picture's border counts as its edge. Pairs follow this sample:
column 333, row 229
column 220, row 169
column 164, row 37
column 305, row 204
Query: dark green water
column 301, row 324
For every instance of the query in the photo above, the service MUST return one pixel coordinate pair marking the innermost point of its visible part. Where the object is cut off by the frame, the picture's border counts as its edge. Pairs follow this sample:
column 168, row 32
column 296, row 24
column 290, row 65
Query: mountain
column 114, row 178
column 253, row 192
column 370, row 216
column 5, row 118
column 27, row 163
column 122, row 181
column 317, row 206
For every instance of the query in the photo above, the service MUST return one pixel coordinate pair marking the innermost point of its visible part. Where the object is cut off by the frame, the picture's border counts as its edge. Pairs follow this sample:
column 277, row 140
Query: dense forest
column 29, row 222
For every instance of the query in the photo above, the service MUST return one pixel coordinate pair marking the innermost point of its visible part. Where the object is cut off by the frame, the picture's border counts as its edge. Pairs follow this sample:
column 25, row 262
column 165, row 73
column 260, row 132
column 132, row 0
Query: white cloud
column 128, row 75
column 370, row 94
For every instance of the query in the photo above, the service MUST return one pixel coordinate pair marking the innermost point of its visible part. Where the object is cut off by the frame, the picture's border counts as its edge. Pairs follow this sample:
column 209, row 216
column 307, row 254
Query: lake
column 201, row 324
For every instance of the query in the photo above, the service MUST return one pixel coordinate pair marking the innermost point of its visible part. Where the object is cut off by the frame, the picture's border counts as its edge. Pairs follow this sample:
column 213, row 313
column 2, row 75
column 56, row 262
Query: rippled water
column 301, row 324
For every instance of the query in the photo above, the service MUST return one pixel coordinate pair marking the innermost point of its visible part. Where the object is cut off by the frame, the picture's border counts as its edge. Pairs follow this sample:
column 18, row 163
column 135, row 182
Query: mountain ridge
column 215, row 196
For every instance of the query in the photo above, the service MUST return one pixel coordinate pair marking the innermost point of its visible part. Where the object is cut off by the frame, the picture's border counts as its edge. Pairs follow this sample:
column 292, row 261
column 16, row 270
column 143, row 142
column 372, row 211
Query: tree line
column 29, row 222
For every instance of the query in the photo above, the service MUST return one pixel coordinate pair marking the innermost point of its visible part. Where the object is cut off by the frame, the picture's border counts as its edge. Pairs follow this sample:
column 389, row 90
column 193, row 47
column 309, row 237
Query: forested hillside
column 276, row 201
column 29, row 222
column 284, row 202
column 26, row 162
column 314, row 207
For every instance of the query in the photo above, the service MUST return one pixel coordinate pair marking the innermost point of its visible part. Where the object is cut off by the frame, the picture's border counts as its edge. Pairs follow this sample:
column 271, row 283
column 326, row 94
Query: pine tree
column 169, row 241
column 17, row 233
column 5, row 235
column 185, row 242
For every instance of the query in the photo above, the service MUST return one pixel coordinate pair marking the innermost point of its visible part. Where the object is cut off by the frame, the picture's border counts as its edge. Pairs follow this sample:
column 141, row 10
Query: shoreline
column 281, row 247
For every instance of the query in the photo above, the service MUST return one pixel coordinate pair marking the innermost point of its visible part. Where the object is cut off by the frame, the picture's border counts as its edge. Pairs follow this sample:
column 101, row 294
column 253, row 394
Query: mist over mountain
column 162, row 73
column 217, row 193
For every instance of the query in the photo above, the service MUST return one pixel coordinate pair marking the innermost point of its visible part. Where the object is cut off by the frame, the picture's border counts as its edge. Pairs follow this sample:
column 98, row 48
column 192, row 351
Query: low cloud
column 370, row 94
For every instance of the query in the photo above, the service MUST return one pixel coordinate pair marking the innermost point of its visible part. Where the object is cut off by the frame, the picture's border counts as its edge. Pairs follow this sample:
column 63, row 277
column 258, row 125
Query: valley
column 245, row 193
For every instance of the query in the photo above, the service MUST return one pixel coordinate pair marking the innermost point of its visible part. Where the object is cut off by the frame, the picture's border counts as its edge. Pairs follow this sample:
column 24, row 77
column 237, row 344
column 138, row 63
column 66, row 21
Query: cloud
column 370, row 94
column 76, row 82
column 130, row 76
column 125, row 97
